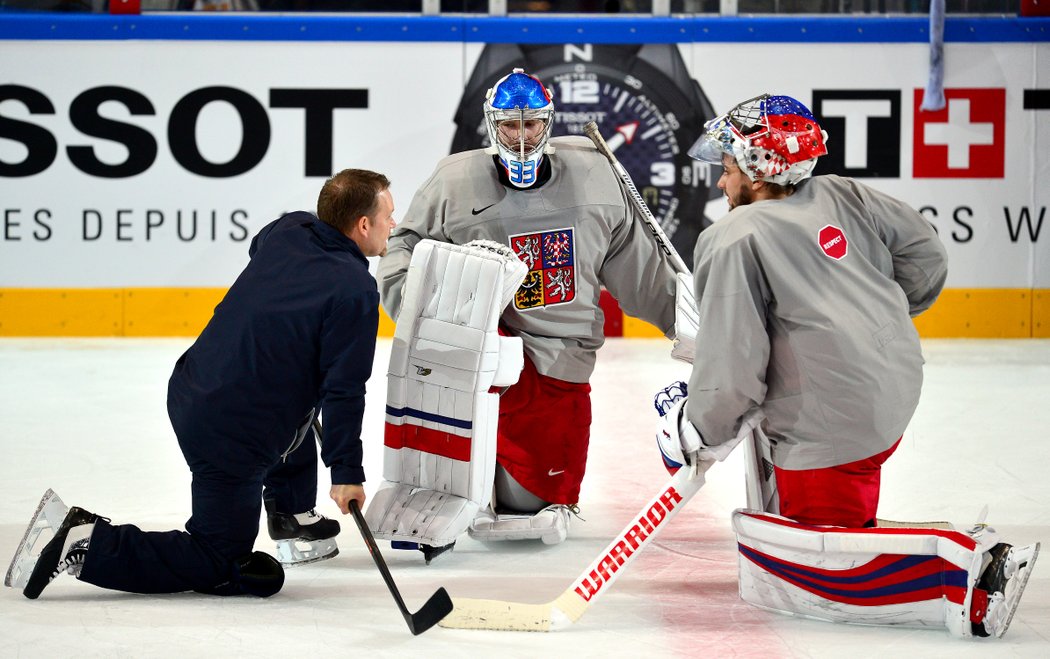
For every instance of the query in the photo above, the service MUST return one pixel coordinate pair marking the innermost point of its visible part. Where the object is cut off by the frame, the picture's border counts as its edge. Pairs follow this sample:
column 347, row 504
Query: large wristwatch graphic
column 645, row 103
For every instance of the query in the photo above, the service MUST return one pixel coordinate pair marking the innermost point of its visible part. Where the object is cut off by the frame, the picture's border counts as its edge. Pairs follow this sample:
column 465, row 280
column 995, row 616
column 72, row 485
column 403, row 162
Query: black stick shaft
column 373, row 549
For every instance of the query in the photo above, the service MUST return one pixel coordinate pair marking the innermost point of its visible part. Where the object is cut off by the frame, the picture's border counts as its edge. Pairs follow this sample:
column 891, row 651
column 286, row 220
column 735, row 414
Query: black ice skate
column 1004, row 579
column 65, row 552
column 302, row 538
column 49, row 515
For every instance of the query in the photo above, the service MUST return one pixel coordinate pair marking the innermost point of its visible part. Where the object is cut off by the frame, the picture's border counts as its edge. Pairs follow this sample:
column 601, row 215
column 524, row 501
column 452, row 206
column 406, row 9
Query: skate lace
column 309, row 517
column 572, row 508
column 73, row 563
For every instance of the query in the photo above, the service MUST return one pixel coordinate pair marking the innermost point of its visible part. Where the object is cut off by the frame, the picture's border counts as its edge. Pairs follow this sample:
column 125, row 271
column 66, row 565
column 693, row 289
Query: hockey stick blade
column 595, row 580
column 437, row 607
column 591, row 129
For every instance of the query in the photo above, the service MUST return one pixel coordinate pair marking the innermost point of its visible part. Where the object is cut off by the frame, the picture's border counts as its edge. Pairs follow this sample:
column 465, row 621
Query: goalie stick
column 435, row 608
column 591, row 129
column 595, row 580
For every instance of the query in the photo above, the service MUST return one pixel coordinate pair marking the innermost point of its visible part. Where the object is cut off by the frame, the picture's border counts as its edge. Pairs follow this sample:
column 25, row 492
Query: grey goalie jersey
column 805, row 306
column 575, row 233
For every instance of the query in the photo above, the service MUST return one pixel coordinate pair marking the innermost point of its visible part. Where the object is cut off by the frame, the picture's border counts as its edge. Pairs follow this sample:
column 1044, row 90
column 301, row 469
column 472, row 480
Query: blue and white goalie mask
column 519, row 112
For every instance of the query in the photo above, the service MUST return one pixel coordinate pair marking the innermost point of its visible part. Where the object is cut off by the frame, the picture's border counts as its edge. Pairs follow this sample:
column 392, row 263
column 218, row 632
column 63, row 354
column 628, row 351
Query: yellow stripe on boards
column 635, row 328
column 160, row 312
column 61, row 312
column 981, row 313
column 169, row 311
column 1041, row 313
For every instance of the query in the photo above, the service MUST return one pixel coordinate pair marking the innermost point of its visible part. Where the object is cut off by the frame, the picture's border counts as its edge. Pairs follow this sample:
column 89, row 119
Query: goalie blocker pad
column 907, row 577
column 440, row 437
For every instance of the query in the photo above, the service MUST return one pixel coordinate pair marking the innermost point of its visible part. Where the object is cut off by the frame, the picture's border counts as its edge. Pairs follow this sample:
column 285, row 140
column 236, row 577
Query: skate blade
column 293, row 553
column 1022, row 581
column 48, row 517
column 431, row 554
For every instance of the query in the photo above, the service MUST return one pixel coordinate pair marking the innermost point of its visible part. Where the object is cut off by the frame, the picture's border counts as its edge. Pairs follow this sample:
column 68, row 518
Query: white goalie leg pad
column 909, row 577
column 50, row 513
column 440, row 438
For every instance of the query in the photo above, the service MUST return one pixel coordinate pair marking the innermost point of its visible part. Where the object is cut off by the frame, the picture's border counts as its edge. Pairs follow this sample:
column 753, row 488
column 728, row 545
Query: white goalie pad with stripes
column 908, row 577
column 440, row 437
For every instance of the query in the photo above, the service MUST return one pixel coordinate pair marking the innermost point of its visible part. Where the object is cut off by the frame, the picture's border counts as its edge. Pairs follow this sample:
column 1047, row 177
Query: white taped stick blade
column 470, row 613
column 595, row 580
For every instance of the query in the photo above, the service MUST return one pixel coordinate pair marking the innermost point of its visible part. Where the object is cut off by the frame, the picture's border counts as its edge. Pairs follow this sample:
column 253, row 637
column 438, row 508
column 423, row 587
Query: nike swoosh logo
column 551, row 472
column 479, row 211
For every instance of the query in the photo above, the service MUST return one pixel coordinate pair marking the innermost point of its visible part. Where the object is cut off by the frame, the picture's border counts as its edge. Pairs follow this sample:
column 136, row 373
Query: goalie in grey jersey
column 559, row 207
column 806, row 291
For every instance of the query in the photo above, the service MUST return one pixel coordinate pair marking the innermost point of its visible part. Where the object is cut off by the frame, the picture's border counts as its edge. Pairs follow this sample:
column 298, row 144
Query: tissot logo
column 40, row 147
column 864, row 129
column 967, row 139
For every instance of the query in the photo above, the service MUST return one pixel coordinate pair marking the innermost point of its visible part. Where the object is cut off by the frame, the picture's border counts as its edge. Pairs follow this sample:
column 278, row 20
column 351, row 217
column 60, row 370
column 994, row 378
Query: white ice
column 87, row 418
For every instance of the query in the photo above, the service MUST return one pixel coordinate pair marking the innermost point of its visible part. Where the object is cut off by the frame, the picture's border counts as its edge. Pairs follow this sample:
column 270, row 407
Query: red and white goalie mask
column 771, row 138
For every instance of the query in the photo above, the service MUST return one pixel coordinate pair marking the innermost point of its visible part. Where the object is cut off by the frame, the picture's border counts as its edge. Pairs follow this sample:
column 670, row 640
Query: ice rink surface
column 87, row 418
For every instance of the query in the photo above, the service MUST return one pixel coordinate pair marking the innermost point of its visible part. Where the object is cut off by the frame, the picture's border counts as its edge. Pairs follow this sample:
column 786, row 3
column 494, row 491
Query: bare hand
column 344, row 494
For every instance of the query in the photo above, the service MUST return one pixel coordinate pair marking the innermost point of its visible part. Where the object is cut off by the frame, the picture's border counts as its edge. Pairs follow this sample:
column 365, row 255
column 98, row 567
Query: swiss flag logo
column 967, row 139
column 833, row 242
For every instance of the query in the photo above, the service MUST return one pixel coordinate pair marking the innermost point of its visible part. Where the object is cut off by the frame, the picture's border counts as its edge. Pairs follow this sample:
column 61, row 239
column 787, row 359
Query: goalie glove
column 679, row 441
column 676, row 448
column 686, row 320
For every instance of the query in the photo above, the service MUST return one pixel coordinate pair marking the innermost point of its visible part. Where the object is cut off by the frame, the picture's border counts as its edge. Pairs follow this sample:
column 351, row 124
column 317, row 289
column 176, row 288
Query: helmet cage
column 519, row 114
column 771, row 138
column 519, row 132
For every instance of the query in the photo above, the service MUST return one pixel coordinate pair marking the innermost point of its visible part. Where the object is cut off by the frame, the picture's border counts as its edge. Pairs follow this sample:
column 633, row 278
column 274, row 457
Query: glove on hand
column 680, row 442
column 676, row 448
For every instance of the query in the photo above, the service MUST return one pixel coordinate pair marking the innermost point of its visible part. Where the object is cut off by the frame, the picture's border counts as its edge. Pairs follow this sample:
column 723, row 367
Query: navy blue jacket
column 296, row 330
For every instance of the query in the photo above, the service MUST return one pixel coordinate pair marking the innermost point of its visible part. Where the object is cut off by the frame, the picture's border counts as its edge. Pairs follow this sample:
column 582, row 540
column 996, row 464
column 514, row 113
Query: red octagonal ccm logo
column 833, row 242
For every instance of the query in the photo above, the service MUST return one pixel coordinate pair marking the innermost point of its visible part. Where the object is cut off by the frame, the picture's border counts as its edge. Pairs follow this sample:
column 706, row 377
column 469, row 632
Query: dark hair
column 348, row 195
column 780, row 189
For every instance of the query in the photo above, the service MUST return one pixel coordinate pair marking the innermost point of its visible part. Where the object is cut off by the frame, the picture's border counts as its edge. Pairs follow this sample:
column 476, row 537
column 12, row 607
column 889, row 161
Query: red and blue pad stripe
column 886, row 579
column 453, row 443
